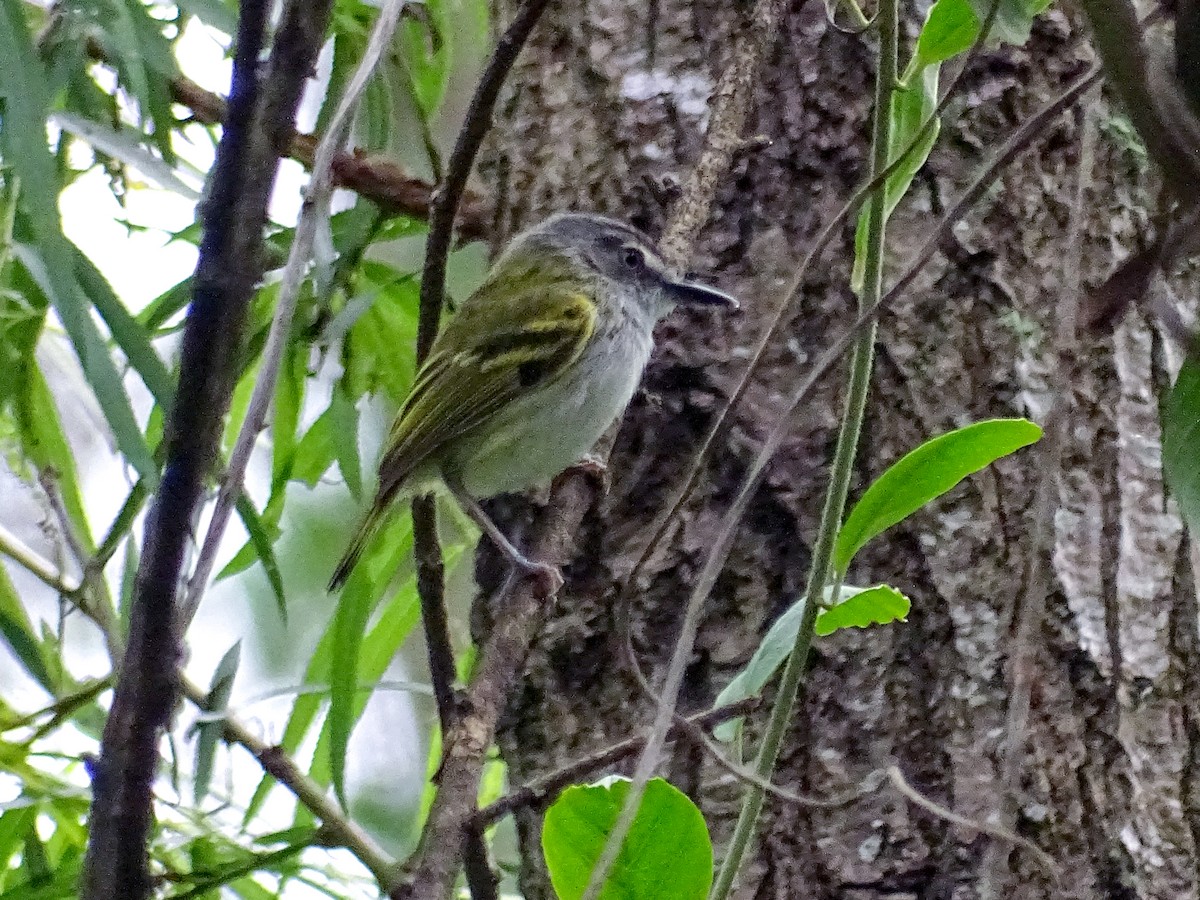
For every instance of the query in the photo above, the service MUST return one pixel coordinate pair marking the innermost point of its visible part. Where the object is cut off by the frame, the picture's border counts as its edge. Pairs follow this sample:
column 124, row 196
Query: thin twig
column 900, row 784
column 260, row 119
column 342, row 832
column 540, row 792
column 742, row 774
column 100, row 603
column 314, row 215
column 34, row 563
column 1034, row 589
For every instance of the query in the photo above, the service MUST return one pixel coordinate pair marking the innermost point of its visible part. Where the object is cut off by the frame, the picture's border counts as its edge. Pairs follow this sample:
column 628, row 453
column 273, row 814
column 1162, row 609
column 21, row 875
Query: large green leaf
column 926, row 473
column 1181, row 442
column 50, row 258
column 667, row 854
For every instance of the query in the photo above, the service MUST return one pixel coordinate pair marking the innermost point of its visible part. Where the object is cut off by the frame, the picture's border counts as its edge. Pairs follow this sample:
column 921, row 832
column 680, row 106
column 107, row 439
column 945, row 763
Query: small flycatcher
column 535, row 366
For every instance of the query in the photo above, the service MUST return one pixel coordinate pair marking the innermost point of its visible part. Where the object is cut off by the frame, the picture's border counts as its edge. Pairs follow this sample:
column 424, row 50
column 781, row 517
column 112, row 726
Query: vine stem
column 861, row 362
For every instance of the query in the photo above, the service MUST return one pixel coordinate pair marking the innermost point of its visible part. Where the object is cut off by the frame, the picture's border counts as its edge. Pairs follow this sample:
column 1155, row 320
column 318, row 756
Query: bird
column 533, row 368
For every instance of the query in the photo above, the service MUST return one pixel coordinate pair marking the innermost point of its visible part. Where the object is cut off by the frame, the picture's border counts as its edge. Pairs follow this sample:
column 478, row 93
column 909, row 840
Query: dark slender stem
column 431, row 587
column 458, row 169
column 260, row 119
column 430, row 571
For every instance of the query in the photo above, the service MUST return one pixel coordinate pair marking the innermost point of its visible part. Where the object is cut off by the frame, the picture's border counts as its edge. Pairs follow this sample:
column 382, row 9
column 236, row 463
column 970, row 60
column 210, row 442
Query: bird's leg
column 592, row 467
column 548, row 577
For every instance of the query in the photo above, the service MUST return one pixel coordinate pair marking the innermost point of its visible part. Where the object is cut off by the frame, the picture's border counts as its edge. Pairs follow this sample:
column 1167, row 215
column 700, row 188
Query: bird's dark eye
column 633, row 257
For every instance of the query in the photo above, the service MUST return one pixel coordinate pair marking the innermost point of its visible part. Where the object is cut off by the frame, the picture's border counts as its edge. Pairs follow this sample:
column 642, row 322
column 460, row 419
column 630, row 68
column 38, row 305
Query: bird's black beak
column 685, row 290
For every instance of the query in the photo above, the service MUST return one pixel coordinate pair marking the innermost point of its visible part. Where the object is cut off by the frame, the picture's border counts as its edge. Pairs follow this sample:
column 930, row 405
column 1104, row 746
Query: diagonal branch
column 259, row 122
column 374, row 177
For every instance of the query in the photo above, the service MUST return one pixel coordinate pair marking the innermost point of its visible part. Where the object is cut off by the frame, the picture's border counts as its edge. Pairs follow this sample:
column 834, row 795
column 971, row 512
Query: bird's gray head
column 622, row 259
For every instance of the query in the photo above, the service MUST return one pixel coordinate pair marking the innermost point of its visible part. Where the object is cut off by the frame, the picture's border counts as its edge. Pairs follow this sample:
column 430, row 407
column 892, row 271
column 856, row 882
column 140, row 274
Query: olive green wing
column 495, row 350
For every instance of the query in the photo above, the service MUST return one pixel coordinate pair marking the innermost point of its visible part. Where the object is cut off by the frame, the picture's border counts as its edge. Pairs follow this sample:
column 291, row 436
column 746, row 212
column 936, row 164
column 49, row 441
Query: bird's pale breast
column 539, row 436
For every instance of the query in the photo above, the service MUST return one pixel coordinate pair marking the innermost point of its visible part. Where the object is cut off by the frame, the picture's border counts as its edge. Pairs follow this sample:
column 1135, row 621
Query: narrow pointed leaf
column 925, row 474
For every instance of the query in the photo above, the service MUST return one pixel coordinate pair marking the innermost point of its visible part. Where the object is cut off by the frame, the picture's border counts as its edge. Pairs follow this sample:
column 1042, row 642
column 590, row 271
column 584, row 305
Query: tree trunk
column 611, row 98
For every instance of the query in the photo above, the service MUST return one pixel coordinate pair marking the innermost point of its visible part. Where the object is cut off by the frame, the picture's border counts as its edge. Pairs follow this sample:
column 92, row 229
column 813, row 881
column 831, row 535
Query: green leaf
column 378, row 353
column 367, row 585
column 878, row 605
column 17, row 631
column 209, row 733
column 1181, row 441
column 125, row 145
column 315, row 451
column 14, row 825
column 285, row 414
column 344, row 421
column 776, row 644
column 20, row 327
column 262, row 538
column 166, row 305
column 950, row 29
column 23, row 146
column 1014, row 19
column 667, row 854
column 426, row 36
column 355, row 605
column 926, row 473
column 131, row 336
column 215, row 13
column 45, row 444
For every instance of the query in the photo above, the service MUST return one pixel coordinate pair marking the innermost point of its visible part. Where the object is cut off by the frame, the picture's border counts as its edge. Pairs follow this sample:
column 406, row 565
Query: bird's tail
column 370, row 525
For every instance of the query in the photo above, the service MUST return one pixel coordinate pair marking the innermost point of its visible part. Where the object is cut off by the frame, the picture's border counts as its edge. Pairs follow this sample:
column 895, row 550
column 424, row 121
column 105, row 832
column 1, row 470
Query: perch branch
column 461, row 841
column 689, row 215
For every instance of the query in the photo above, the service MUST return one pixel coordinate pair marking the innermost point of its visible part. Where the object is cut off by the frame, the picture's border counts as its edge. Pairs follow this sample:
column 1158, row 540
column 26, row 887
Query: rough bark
column 609, row 99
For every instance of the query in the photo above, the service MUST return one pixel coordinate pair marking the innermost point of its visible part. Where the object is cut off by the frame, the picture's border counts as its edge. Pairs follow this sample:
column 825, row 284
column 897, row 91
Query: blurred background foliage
column 98, row 235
